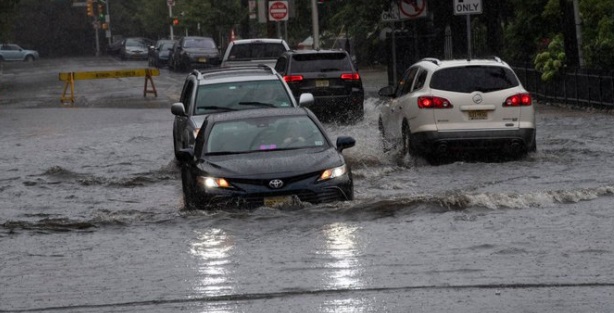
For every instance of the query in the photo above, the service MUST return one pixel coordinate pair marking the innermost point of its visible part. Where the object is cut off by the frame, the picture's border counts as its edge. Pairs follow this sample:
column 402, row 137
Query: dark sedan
column 271, row 157
column 160, row 52
column 194, row 52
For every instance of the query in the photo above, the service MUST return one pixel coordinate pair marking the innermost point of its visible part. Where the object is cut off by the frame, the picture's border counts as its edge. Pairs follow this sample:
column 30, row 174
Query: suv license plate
column 202, row 60
column 277, row 201
column 321, row 83
column 478, row 115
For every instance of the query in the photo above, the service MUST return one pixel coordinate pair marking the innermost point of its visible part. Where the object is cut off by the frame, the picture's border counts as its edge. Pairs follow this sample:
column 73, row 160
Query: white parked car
column 441, row 108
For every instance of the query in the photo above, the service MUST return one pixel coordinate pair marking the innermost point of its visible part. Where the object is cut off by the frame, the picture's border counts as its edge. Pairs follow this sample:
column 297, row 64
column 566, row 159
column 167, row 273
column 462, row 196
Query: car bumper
column 339, row 189
column 517, row 140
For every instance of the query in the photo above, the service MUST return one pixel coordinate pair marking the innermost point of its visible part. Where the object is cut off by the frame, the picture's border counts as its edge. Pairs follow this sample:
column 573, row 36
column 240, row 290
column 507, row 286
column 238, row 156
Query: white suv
column 441, row 108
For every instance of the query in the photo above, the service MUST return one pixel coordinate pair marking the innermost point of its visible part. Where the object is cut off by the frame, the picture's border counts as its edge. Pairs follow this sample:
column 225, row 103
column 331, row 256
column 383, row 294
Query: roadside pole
column 467, row 8
column 315, row 24
column 170, row 3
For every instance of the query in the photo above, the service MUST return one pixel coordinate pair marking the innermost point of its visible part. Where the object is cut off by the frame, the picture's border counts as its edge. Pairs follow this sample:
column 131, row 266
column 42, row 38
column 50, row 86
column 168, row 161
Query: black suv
column 194, row 52
column 330, row 76
column 227, row 89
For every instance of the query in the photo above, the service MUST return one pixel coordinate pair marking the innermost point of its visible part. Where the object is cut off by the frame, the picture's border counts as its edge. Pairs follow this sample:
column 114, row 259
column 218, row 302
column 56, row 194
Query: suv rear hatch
column 477, row 94
column 323, row 74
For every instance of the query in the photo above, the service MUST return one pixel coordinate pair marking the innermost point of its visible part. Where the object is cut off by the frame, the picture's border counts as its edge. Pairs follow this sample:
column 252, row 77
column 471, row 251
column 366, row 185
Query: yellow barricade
column 70, row 78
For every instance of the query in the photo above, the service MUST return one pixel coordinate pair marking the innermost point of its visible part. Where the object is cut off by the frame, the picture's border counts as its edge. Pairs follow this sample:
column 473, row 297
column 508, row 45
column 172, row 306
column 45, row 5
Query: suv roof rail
column 435, row 61
column 498, row 59
column 267, row 67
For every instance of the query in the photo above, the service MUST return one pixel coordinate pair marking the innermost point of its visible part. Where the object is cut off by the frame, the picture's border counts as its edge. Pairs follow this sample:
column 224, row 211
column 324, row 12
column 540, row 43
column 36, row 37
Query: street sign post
column 467, row 8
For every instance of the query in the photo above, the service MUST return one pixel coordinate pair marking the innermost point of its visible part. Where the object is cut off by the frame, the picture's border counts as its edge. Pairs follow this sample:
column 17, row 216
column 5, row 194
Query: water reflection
column 213, row 247
column 344, row 264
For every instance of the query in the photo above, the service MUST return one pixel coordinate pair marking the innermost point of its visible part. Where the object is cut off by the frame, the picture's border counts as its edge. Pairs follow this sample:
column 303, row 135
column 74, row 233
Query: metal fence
column 585, row 88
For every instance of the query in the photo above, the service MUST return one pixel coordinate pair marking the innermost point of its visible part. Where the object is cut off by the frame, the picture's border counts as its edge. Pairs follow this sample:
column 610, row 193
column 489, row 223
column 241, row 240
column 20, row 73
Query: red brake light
column 293, row 78
column 434, row 103
column 350, row 76
column 521, row 99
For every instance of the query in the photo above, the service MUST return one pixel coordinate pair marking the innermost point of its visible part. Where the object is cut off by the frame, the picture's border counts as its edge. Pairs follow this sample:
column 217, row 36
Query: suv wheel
column 408, row 144
column 190, row 198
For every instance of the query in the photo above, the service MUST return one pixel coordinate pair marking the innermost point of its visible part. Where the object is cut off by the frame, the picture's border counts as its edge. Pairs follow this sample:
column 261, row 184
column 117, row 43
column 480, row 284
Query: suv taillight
column 293, row 78
column 350, row 76
column 434, row 103
column 521, row 99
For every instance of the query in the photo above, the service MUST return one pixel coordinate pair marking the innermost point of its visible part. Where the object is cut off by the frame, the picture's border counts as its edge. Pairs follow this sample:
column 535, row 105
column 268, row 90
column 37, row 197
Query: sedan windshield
column 240, row 96
column 264, row 134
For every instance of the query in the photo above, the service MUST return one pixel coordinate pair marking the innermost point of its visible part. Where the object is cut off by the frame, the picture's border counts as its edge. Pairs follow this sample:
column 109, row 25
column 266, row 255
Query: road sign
column 171, row 3
column 410, row 9
column 278, row 11
column 391, row 15
column 464, row 7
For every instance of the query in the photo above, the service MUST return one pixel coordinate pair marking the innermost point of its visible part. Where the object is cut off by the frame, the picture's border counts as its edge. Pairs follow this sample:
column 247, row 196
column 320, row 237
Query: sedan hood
column 272, row 164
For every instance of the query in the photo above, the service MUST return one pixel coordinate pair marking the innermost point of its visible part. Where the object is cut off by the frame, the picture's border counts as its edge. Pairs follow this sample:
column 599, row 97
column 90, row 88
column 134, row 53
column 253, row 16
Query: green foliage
column 552, row 60
column 598, row 33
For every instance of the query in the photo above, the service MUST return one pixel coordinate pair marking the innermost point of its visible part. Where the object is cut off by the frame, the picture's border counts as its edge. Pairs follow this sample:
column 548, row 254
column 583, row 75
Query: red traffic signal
column 175, row 21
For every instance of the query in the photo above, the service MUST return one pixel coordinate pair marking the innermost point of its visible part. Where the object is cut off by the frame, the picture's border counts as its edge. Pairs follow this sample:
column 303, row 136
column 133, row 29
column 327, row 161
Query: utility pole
column 315, row 24
column 170, row 3
column 578, row 21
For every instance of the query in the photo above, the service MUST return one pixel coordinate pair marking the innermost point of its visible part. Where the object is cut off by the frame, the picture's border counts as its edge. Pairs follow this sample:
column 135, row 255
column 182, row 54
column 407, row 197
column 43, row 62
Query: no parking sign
column 410, row 9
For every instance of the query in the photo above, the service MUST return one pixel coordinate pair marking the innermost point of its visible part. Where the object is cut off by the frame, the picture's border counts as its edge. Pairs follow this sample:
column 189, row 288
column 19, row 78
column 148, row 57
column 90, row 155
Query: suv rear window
column 256, row 51
column 320, row 62
column 468, row 79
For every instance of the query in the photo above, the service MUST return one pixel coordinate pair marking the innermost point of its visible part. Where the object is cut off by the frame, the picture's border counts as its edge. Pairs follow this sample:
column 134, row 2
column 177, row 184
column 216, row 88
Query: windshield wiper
column 264, row 104
column 213, row 107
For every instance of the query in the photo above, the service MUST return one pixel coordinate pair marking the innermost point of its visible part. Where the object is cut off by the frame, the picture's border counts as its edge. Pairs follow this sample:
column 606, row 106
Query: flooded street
column 92, row 219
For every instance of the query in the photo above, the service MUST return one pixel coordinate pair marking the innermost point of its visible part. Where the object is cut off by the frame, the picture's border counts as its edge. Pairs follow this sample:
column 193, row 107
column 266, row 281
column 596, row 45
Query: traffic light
column 175, row 21
column 100, row 12
column 90, row 7
column 105, row 26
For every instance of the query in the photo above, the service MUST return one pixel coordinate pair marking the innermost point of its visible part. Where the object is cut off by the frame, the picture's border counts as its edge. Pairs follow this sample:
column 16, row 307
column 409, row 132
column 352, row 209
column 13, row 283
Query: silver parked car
column 13, row 52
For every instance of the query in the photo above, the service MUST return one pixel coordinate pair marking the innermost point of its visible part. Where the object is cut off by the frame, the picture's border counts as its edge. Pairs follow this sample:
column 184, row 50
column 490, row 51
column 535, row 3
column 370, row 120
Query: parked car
column 253, row 51
column 135, row 48
column 194, row 52
column 442, row 108
column 13, row 52
column 160, row 52
column 230, row 89
column 331, row 77
column 268, row 158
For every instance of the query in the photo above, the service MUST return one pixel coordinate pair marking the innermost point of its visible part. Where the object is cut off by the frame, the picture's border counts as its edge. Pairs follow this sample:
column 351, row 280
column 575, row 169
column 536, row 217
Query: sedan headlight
column 333, row 173
column 212, row 182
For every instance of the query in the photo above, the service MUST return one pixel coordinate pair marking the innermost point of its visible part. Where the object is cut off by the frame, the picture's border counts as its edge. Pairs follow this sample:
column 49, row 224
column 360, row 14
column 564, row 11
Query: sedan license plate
column 321, row 83
column 478, row 115
column 277, row 201
column 202, row 60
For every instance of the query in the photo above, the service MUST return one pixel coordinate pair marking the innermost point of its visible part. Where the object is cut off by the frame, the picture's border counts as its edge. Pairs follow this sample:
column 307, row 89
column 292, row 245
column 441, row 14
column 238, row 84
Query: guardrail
column 70, row 77
column 584, row 88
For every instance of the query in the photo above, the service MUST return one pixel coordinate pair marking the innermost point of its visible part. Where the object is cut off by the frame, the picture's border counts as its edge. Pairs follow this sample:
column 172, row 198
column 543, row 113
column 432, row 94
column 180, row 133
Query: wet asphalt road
column 92, row 218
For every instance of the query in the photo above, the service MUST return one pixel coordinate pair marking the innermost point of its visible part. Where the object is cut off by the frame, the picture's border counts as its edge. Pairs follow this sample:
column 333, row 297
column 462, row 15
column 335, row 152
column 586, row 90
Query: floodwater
column 92, row 220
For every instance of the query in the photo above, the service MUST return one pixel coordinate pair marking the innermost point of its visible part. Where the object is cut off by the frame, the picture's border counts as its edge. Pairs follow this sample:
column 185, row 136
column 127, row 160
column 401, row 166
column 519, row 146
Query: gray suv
column 229, row 89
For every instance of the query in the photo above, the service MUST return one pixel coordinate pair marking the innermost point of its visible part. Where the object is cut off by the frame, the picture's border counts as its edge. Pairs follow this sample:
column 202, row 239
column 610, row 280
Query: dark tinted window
column 320, row 62
column 202, row 43
column 241, row 96
column 474, row 78
column 256, row 51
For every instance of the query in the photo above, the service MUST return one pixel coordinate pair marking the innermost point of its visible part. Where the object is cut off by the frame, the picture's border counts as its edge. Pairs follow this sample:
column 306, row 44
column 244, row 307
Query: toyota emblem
column 477, row 99
column 276, row 183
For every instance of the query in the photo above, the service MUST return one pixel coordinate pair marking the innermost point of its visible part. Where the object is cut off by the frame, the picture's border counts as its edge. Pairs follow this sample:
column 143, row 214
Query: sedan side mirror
column 185, row 155
column 178, row 109
column 345, row 142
